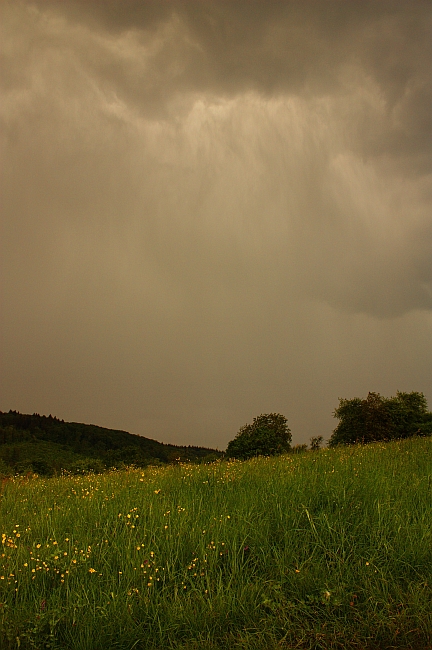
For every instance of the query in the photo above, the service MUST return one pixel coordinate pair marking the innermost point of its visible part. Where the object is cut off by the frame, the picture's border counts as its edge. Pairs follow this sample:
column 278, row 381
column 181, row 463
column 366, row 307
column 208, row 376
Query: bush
column 268, row 435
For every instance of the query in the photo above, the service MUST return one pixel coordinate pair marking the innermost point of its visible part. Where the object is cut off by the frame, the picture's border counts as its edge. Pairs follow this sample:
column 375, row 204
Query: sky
column 213, row 210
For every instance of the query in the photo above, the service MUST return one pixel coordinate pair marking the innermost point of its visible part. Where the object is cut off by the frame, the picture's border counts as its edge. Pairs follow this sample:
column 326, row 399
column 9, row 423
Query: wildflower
column 92, row 570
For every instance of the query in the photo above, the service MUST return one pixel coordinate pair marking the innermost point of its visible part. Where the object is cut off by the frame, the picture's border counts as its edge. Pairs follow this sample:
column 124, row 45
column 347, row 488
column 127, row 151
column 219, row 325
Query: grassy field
column 328, row 549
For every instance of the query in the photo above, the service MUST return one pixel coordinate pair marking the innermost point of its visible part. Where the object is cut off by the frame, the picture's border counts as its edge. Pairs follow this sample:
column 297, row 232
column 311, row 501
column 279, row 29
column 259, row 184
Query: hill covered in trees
column 47, row 445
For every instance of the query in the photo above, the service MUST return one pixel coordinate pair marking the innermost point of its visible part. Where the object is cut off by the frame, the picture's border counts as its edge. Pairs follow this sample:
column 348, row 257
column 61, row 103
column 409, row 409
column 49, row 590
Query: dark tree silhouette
column 379, row 418
column 268, row 435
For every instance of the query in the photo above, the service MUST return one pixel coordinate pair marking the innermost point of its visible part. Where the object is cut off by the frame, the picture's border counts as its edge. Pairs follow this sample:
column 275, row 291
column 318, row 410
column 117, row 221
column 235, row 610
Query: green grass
column 331, row 549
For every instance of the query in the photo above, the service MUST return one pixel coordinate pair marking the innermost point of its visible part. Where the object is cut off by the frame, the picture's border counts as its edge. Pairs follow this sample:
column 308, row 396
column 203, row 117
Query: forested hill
column 47, row 445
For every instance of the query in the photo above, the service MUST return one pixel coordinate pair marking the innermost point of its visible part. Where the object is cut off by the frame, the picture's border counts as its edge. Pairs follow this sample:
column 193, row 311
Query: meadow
column 327, row 549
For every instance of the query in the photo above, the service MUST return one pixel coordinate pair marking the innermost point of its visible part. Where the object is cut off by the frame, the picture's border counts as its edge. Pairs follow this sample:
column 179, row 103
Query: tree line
column 361, row 421
column 46, row 445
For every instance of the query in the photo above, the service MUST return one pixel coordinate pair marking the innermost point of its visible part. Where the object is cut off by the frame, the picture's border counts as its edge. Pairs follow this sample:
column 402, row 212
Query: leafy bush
column 268, row 435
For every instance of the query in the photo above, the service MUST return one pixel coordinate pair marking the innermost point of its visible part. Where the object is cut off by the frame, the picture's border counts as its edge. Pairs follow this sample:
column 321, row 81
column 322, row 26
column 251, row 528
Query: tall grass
column 331, row 549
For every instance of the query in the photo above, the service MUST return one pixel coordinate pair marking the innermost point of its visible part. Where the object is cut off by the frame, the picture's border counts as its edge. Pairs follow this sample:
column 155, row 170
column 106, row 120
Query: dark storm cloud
column 214, row 209
column 272, row 47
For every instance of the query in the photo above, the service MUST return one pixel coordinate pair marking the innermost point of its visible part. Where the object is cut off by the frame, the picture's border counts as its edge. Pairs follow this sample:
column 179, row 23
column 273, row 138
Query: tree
column 380, row 418
column 351, row 425
column 410, row 415
column 379, row 424
column 266, row 436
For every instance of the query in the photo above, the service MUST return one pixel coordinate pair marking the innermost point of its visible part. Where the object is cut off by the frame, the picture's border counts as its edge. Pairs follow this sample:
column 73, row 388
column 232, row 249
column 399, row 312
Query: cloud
column 213, row 205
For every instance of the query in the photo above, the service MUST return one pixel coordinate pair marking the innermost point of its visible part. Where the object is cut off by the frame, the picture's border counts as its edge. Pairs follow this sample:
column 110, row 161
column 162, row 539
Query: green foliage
column 87, row 466
column 268, row 435
column 316, row 442
column 46, row 445
column 298, row 449
column 379, row 418
column 328, row 550
column 5, row 470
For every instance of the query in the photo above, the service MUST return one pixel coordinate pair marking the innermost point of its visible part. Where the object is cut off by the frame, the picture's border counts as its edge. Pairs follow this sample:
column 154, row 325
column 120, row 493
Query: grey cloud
column 269, row 46
column 212, row 210
column 150, row 53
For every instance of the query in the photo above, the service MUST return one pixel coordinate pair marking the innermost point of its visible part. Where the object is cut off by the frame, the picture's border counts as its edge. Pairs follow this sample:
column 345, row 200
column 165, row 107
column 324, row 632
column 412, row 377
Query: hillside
column 329, row 550
column 47, row 445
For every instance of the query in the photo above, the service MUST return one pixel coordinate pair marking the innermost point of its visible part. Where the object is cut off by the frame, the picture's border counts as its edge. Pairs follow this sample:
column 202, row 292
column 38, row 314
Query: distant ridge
column 47, row 445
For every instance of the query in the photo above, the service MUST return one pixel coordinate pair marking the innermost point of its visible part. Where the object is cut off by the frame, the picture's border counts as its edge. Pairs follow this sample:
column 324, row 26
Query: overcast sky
column 214, row 209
